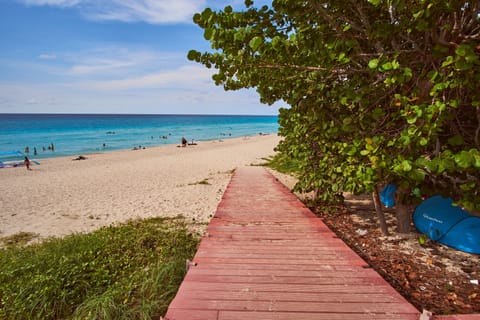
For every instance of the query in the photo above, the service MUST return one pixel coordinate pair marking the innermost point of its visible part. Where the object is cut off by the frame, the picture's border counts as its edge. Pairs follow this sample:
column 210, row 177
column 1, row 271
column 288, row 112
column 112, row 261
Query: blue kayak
column 448, row 224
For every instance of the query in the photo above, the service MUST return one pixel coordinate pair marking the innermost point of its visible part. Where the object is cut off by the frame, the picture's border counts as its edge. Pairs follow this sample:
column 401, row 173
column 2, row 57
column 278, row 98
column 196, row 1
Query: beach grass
column 129, row 271
column 283, row 163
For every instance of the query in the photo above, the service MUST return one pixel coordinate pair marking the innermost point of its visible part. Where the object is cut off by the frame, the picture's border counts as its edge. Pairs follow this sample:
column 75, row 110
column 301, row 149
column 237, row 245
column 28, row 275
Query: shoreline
column 43, row 156
column 61, row 196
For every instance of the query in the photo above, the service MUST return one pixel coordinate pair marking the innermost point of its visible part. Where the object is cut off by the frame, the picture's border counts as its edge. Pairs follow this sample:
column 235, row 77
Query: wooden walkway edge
column 266, row 256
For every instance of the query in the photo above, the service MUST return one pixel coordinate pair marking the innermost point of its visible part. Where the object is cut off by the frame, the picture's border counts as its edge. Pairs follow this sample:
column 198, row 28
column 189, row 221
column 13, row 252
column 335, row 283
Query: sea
column 55, row 135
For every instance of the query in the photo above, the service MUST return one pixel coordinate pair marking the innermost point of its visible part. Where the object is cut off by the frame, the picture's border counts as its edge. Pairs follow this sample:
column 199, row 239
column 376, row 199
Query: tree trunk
column 403, row 217
column 379, row 211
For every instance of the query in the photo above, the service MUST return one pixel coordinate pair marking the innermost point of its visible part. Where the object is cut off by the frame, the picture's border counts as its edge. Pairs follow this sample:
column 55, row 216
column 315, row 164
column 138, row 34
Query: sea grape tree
column 378, row 90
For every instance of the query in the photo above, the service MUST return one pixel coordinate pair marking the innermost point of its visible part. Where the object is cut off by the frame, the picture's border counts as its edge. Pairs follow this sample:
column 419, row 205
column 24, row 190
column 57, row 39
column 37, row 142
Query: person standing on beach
column 27, row 163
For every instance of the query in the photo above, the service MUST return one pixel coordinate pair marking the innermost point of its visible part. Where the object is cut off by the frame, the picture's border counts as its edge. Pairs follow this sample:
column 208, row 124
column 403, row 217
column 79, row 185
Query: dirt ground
column 431, row 276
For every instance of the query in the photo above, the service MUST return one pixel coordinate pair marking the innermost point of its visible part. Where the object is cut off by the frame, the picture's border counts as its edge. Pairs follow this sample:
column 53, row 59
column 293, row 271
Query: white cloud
column 150, row 11
column 47, row 56
column 58, row 3
column 99, row 66
column 119, row 62
column 184, row 77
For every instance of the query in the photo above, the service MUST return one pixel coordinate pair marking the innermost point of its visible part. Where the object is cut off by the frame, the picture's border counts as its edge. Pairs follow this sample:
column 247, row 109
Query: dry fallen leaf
column 452, row 296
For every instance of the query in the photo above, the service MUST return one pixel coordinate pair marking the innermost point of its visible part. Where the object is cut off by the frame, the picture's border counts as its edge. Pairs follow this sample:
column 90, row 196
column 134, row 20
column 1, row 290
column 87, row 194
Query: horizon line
column 138, row 114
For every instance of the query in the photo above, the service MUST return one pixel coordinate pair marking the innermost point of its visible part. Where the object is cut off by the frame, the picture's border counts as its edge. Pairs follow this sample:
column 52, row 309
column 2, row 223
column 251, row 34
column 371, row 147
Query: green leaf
column 197, row 18
column 417, row 175
column 276, row 43
column 462, row 50
column 448, row 61
column 387, row 66
column 422, row 239
column 193, row 55
column 239, row 36
column 456, row 140
column 364, row 152
column 477, row 160
column 255, row 43
column 412, row 120
column 374, row 2
column 464, row 159
column 373, row 64
column 378, row 113
column 408, row 73
column 416, row 192
column 208, row 34
column 404, row 166
column 347, row 121
column 467, row 186
column 418, row 14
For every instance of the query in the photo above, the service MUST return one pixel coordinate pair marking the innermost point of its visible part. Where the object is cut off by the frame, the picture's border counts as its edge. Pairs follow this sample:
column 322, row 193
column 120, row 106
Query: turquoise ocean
column 76, row 134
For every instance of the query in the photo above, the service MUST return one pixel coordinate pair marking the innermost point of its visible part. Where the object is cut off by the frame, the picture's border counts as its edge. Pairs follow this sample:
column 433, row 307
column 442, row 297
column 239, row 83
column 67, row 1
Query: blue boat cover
column 448, row 224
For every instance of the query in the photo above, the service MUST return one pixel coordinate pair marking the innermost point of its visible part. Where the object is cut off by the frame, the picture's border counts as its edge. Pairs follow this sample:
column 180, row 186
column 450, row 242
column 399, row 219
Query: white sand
column 62, row 196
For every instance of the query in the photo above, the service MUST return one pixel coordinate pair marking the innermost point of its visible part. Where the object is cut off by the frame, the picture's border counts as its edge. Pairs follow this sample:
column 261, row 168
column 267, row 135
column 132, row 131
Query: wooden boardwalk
column 266, row 256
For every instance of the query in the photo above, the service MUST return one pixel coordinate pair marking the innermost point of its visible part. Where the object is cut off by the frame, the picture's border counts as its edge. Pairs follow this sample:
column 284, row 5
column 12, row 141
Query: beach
column 63, row 196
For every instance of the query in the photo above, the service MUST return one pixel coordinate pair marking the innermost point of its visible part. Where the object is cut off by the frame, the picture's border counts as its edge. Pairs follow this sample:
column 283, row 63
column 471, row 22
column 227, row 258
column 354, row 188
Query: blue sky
column 111, row 56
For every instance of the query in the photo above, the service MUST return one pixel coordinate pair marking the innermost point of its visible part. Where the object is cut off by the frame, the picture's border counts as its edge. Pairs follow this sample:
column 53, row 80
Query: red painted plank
column 298, row 268
column 207, row 246
column 289, row 306
column 299, row 288
column 273, row 255
column 280, row 260
column 179, row 314
column 293, row 272
column 458, row 317
column 255, row 315
column 258, row 279
column 292, row 243
column 289, row 296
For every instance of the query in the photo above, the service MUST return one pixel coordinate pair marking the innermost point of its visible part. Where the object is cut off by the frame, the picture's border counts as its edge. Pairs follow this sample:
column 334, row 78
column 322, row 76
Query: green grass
column 130, row 271
column 283, row 163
